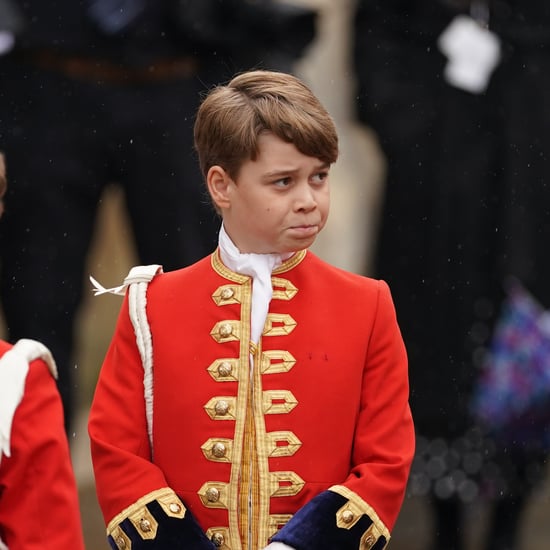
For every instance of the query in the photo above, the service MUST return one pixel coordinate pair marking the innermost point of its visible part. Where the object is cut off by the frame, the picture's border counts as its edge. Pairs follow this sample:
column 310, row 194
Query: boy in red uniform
column 38, row 495
column 258, row 398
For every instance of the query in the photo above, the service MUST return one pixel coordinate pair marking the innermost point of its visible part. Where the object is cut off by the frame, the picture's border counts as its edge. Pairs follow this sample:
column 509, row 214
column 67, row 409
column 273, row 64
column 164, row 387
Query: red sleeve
column 39, row 499
column 384, row 440
column 120, row 450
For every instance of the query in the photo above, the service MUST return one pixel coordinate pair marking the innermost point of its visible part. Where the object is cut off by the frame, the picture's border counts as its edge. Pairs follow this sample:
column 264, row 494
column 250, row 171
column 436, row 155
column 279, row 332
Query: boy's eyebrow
column 321, row 166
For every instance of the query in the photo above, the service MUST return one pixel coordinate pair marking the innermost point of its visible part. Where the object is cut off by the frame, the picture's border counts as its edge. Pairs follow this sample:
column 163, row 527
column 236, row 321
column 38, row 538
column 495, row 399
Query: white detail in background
column 473, row 52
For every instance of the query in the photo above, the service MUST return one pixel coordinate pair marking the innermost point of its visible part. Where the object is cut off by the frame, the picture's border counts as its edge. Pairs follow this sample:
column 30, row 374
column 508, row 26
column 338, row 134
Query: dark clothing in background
column 87, row 101
column 467, row 204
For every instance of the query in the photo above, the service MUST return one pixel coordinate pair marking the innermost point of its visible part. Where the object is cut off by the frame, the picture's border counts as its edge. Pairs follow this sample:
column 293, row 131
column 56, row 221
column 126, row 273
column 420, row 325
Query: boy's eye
column 320, row 177
column 283, row 182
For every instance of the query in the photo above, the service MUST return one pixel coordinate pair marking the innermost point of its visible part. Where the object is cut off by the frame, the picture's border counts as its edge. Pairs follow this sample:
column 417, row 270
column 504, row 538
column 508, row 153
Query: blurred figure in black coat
column 467, row 204
column 102, row 91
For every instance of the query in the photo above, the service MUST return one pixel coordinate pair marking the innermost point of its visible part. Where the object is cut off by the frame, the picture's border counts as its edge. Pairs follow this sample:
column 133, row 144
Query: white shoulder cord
column 137, row 281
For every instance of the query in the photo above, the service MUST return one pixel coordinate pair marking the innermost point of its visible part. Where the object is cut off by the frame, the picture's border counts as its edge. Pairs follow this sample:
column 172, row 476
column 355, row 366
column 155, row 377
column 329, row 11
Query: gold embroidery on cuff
column 145, row 524
column 122, row 540
column 370, row 537
column 173, row 507
column 219, row 537
column 358, row 506
column 163, row 494
column 348, row 515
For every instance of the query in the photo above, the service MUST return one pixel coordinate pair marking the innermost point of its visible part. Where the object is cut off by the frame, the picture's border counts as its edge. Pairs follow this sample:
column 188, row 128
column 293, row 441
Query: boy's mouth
column 305, row 230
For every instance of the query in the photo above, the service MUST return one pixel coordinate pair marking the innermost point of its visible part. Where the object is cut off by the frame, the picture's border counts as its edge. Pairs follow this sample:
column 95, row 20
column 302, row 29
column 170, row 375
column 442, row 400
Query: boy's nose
column 305, row 197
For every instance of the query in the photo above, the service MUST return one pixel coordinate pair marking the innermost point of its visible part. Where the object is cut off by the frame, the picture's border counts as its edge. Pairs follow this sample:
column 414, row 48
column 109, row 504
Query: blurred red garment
column 38, row 494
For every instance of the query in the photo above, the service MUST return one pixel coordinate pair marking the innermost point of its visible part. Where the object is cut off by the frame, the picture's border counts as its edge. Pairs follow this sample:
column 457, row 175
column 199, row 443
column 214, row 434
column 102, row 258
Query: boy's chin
column 301, row 244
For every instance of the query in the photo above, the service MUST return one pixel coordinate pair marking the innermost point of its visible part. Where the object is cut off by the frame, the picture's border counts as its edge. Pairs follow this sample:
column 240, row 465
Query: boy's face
column 278, row 203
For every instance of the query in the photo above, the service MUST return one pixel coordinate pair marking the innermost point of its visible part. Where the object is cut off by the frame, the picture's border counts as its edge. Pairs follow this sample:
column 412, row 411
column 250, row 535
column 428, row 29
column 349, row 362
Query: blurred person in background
column 456, row 92
column 104, row 91
column 38, row 496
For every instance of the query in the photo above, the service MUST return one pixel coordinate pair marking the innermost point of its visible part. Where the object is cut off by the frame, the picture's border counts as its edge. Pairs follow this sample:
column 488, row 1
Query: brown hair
column 232, row 117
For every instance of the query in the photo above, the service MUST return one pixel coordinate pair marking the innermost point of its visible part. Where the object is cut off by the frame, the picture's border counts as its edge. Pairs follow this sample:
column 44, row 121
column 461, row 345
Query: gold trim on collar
column 220, row 268
column 293, row 261
column 224, row 271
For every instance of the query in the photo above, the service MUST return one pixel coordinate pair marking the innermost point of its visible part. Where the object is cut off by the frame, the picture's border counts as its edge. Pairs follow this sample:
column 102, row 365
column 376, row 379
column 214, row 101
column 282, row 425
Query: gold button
column 212, row 494
column 145, row 525
column 121, row 543
column 369, row 541
column 221, row 407
column 227, row 293
column 224, row 368
column 226, row 330
column 175, row 508
column 218, row 539
column 218, row 450
column 348, row 516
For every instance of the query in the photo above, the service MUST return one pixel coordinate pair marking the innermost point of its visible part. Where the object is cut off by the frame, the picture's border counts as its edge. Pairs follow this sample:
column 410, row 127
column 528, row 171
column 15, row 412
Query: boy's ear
column 217, row 181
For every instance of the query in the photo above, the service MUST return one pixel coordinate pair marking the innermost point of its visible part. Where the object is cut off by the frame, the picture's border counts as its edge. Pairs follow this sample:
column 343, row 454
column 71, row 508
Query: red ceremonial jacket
column 315, row 441
column 39, row 507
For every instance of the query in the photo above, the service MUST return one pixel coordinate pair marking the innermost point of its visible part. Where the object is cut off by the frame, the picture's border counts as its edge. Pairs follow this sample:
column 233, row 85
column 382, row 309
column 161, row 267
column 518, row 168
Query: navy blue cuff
column 157, row 521
column 337, row 518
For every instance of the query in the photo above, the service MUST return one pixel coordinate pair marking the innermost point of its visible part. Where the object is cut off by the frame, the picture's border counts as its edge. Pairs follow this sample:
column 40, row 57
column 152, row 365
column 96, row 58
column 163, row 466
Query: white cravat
column 259, row 267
